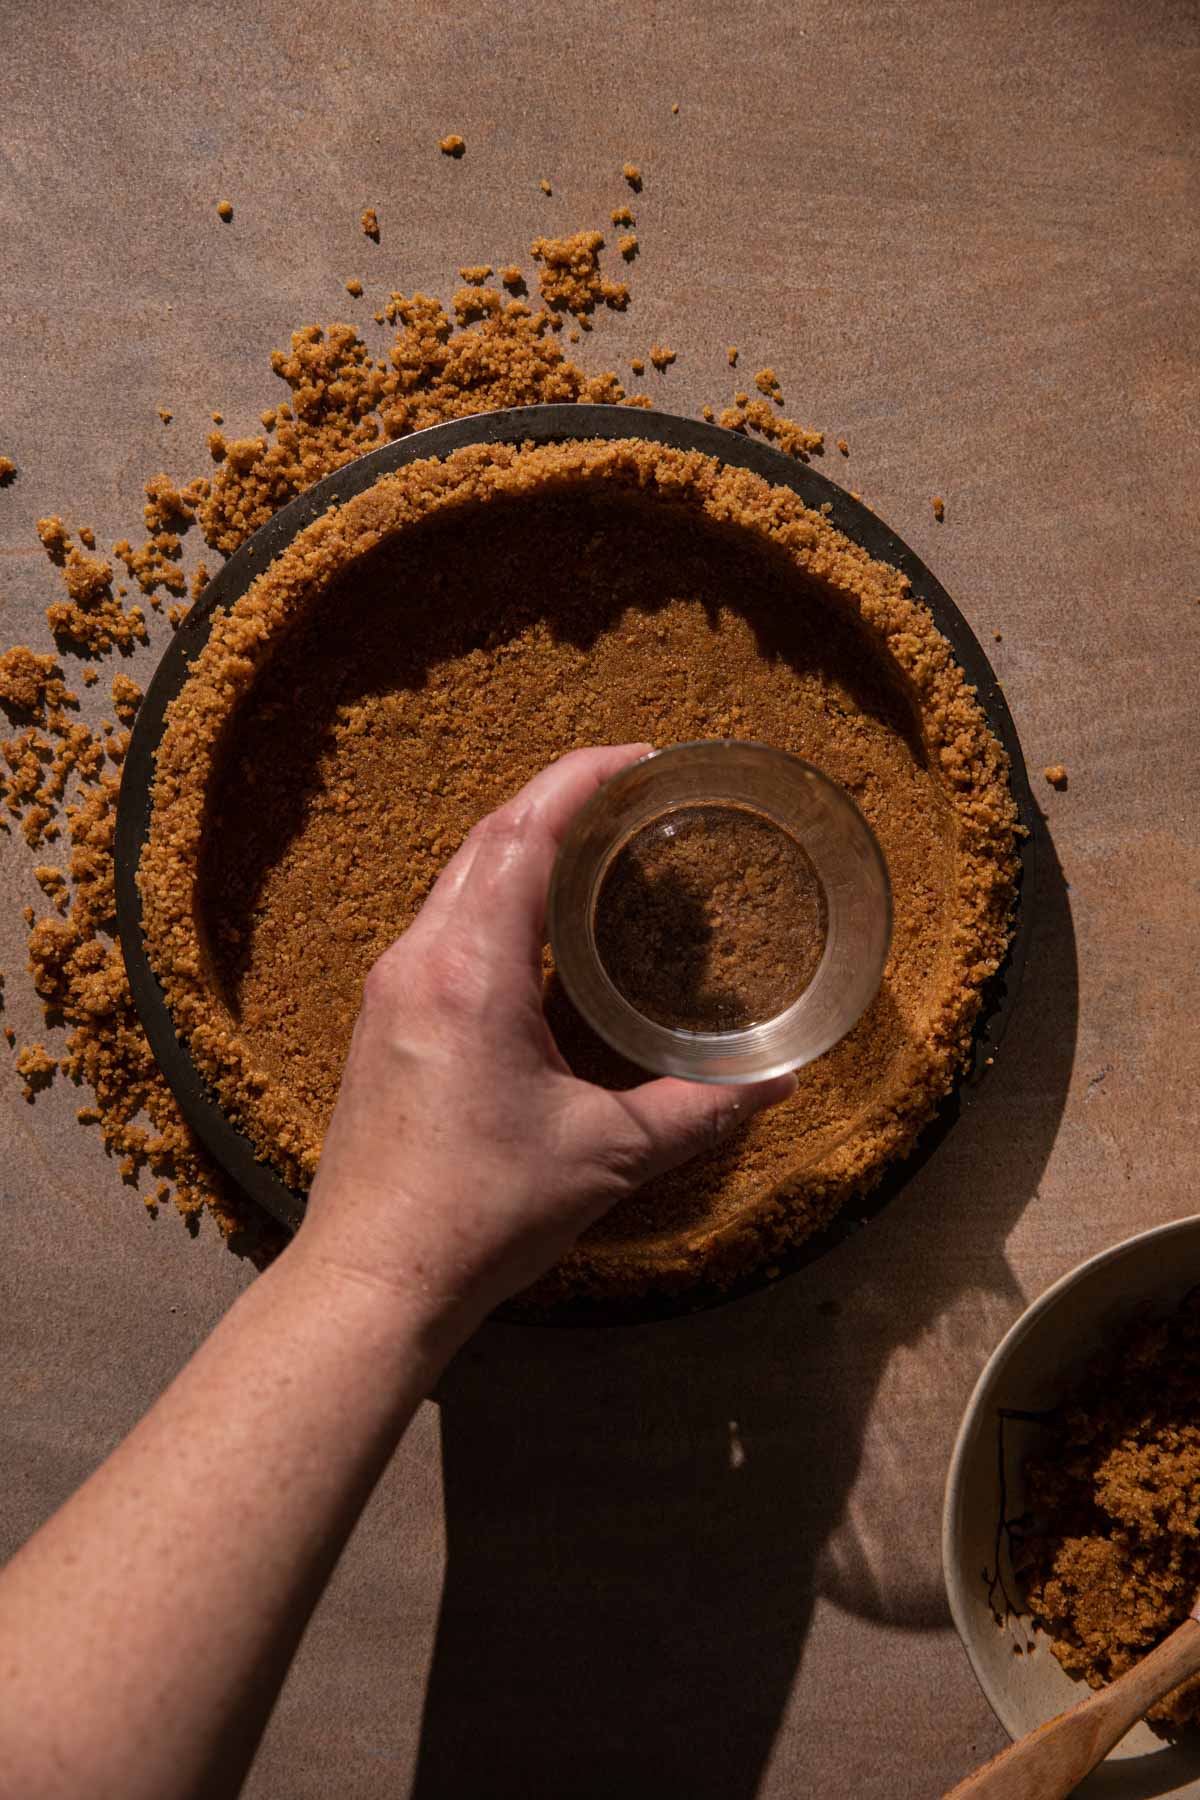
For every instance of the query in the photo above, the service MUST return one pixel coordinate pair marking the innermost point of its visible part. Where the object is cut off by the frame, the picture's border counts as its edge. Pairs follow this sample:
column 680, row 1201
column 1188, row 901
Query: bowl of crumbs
column 404, row 645
column 1071, row 1531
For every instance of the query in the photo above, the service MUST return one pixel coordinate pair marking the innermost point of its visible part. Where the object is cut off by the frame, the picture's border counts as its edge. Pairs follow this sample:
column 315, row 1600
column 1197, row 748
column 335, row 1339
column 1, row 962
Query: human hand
column 463, row 1157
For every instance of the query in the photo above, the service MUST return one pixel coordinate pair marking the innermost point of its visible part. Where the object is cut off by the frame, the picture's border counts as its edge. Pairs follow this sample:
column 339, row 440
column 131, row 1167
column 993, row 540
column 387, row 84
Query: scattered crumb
column 622, row 215
column 127, row 697
column 661, row 355
column 225, row 210
column 36, row 1067
column 545, row 186
column 87, row 537
column 939, row 508
column 633, row 176
column 843, row 446
column 453, row 145
column 370, row 223
column 1056, row 775
column 53, row 884
column 26, row 680
column 766, row 381
column 55, row 538
column 570, row 279
column 675, row 106
column 628, row 247
column 998, row 636
column 166, row 415
column 512, row 277
column 90, row 676
column 731, row 356
column 218, row 418
column 741, row 398
column 476, row 274
column 354, row 286
column 637, row 364
column 8, row 470
column 706, row 412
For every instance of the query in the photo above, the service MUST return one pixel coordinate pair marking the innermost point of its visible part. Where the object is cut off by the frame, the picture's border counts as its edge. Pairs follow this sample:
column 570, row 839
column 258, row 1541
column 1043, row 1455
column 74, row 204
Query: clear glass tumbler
column 844, row 856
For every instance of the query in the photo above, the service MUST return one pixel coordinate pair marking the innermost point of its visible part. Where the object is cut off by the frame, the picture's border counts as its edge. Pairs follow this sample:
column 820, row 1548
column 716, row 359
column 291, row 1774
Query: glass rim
column 751, row 1053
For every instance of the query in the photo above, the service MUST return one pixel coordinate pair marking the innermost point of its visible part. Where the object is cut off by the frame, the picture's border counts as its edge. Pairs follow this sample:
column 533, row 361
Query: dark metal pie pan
column 548, row 424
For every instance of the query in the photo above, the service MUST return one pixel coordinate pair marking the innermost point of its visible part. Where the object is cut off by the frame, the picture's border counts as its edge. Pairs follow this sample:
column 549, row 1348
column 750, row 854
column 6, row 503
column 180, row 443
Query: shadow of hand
column 639, row 1521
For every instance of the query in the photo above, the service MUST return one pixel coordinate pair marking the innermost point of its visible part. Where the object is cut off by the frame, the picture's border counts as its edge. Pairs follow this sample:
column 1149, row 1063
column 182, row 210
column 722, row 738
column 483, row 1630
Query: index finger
column 504, row 878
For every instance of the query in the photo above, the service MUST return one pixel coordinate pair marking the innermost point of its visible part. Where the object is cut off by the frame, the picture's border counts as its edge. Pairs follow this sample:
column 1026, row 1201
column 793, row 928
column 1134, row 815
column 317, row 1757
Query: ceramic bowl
column 1032, row 1370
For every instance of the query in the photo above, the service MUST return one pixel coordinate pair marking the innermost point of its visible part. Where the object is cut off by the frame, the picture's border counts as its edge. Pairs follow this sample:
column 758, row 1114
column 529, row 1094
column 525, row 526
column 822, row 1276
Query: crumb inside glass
column 710, row 918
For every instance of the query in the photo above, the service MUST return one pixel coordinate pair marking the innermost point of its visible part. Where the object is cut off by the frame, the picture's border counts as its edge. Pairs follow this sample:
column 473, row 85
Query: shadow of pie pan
column 229, row 1147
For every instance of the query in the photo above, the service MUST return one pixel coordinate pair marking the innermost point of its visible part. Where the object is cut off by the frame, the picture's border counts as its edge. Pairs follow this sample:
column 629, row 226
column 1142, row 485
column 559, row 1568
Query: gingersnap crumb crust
column 416, row 654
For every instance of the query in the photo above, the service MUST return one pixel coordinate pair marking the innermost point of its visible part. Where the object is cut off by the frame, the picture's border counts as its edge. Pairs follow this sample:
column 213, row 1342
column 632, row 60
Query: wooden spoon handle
column 1051, row 1761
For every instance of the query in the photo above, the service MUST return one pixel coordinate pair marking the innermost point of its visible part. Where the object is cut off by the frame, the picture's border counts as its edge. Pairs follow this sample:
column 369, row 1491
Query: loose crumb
column 998, row 636
column 731, row 356
column 127, row 697
column 741, row 398
column 217, row 418
column 622, row 215
column 633, row 176
column 370, row 223
column 225, row 210
column 54, row 536
column 661, row 355
column 675, row 106
column 512, row 277
column 36, row 1067
column 843, row 446
column 571, row 279
column 476, row 273
column 8, row 470
column 766, row 381
column 166, row 415
column 706, row 412
column 27, row 680
column 628, row 247
column 354, row 286
column 453, row 145
column 637, row 364
column 90, row 676
column 545, row 186
column 939, row 508
column 1056, row 775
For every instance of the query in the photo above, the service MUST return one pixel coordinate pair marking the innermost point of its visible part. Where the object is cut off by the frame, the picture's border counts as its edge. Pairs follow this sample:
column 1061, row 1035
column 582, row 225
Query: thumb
column 679, row 1119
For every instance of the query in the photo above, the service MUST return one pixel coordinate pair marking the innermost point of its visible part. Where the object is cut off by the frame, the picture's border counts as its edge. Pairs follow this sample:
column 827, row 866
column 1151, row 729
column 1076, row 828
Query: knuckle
column 385, row 980
column 451, row 976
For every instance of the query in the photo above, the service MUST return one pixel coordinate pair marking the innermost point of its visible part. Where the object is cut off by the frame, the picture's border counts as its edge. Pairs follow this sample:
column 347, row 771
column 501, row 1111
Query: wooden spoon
column 1050, row 1762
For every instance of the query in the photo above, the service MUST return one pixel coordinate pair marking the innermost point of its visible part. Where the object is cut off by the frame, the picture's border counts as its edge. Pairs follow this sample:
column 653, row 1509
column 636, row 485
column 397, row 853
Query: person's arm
column 146, row 1629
